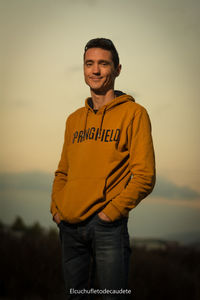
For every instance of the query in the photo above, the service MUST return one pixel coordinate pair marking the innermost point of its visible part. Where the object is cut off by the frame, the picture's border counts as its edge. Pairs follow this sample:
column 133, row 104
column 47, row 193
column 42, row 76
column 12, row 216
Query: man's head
column 101, row 65
column 105, row 44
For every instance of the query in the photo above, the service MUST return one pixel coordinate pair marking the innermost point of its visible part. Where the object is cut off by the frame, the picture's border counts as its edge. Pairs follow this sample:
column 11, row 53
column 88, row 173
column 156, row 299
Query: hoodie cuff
column 53, row 209
column 112, row 212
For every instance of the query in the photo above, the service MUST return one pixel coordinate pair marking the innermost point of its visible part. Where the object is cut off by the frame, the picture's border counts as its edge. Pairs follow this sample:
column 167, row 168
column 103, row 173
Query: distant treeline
column 30, row 267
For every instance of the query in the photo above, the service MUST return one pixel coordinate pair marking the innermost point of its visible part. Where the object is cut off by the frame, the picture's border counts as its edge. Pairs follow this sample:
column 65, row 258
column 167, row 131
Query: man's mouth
column 95, row 78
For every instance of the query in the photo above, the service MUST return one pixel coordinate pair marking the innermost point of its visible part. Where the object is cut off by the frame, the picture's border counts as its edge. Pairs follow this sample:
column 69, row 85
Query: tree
column 18, row 224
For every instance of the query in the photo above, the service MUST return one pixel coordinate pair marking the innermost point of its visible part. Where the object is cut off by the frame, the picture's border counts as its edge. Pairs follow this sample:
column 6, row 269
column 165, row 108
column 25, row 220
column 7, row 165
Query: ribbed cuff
column 112, row 212
column 53, row 208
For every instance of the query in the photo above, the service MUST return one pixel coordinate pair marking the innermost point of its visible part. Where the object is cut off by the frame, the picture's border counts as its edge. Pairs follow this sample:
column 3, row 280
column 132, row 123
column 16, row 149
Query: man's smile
column 96, row 78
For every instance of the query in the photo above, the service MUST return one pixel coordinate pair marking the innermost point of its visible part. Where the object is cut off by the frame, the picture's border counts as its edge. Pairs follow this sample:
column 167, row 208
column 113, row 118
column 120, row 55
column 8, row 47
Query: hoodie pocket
column 80, row 198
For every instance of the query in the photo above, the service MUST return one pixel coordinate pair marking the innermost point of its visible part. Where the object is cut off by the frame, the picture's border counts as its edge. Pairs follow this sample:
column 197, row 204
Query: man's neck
column 101, row 100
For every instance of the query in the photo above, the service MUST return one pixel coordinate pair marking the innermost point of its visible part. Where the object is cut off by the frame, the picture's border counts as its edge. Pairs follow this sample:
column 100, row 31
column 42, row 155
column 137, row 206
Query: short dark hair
column 105, row 44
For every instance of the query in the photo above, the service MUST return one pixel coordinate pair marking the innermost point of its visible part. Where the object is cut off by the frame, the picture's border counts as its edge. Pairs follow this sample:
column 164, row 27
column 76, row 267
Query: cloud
column 74, row 68
column 17, row 103
column 28, row 195
column 40, row 181
column 26, row 181
column 87, row 2
column 168, row 189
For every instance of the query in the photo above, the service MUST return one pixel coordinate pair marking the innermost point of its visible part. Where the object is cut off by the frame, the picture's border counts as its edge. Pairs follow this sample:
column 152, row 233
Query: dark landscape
column 30, row 265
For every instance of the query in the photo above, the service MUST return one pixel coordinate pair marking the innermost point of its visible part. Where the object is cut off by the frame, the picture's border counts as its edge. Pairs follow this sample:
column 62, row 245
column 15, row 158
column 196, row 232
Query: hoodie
column 107, row 162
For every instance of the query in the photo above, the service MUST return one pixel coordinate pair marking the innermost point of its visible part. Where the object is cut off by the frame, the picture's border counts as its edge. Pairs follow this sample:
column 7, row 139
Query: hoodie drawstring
column 101, row 123
column 102, row 118
column 86, row 117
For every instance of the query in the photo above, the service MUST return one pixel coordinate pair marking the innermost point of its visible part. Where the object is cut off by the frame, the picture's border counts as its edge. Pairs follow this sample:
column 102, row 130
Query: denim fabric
column 95, row 248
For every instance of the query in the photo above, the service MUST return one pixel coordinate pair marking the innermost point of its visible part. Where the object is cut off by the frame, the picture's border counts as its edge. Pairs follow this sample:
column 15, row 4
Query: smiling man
column 106, row 168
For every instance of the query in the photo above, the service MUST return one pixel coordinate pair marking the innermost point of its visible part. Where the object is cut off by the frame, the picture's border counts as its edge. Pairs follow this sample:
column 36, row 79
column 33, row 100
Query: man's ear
column 118, row 70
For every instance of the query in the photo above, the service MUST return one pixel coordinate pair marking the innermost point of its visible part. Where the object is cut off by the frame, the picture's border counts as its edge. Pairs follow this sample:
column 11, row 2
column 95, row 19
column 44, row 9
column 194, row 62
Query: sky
column 42, row 45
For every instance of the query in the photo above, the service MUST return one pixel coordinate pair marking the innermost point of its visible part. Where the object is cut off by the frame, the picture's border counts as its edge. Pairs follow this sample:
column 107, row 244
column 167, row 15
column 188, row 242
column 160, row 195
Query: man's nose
column 96, row 69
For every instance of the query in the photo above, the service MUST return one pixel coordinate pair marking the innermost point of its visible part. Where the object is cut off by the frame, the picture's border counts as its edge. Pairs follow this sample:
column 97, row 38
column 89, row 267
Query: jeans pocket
column 109, row 223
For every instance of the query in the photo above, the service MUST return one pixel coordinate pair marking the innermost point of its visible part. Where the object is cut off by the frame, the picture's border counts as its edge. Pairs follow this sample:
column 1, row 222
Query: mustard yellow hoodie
column 107, row 161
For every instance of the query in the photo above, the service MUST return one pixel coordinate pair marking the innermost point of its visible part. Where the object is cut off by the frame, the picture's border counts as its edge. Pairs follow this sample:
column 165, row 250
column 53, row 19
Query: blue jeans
column 95, row 248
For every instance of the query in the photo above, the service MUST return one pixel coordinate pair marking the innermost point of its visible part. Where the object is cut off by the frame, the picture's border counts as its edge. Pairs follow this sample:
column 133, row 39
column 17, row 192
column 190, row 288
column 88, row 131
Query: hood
column 119, row 99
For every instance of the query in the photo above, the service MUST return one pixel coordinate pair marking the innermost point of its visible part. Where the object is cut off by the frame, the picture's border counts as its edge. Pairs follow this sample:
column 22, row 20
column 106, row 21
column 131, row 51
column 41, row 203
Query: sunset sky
column 42, row 44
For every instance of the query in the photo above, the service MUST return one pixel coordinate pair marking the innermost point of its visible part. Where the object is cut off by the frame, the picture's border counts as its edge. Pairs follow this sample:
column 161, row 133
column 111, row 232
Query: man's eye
column 88, row 64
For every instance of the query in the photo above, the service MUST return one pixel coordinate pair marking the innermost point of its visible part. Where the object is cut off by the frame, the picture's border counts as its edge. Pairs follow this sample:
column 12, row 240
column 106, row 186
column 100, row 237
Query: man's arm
column 142, row 167
column 60, row 177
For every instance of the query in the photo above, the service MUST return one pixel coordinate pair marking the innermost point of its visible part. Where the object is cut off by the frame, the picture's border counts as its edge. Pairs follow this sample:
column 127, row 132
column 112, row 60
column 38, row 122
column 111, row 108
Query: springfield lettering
column 103, row 135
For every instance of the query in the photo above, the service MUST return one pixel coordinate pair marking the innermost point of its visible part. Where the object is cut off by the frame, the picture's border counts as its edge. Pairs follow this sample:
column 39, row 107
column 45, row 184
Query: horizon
column 191, row 238
column 27, row 194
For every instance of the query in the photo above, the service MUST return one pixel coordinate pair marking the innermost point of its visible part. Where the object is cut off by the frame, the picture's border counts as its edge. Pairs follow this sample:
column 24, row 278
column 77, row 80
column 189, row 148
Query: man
column 106, row 168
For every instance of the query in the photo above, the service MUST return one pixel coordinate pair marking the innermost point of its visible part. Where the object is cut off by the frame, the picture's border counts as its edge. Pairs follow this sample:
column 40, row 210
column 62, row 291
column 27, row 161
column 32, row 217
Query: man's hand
column 104, row 217
column 56, row 218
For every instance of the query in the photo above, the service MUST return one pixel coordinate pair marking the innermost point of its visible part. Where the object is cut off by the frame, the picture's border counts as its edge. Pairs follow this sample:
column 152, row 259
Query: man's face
column 99, row 70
